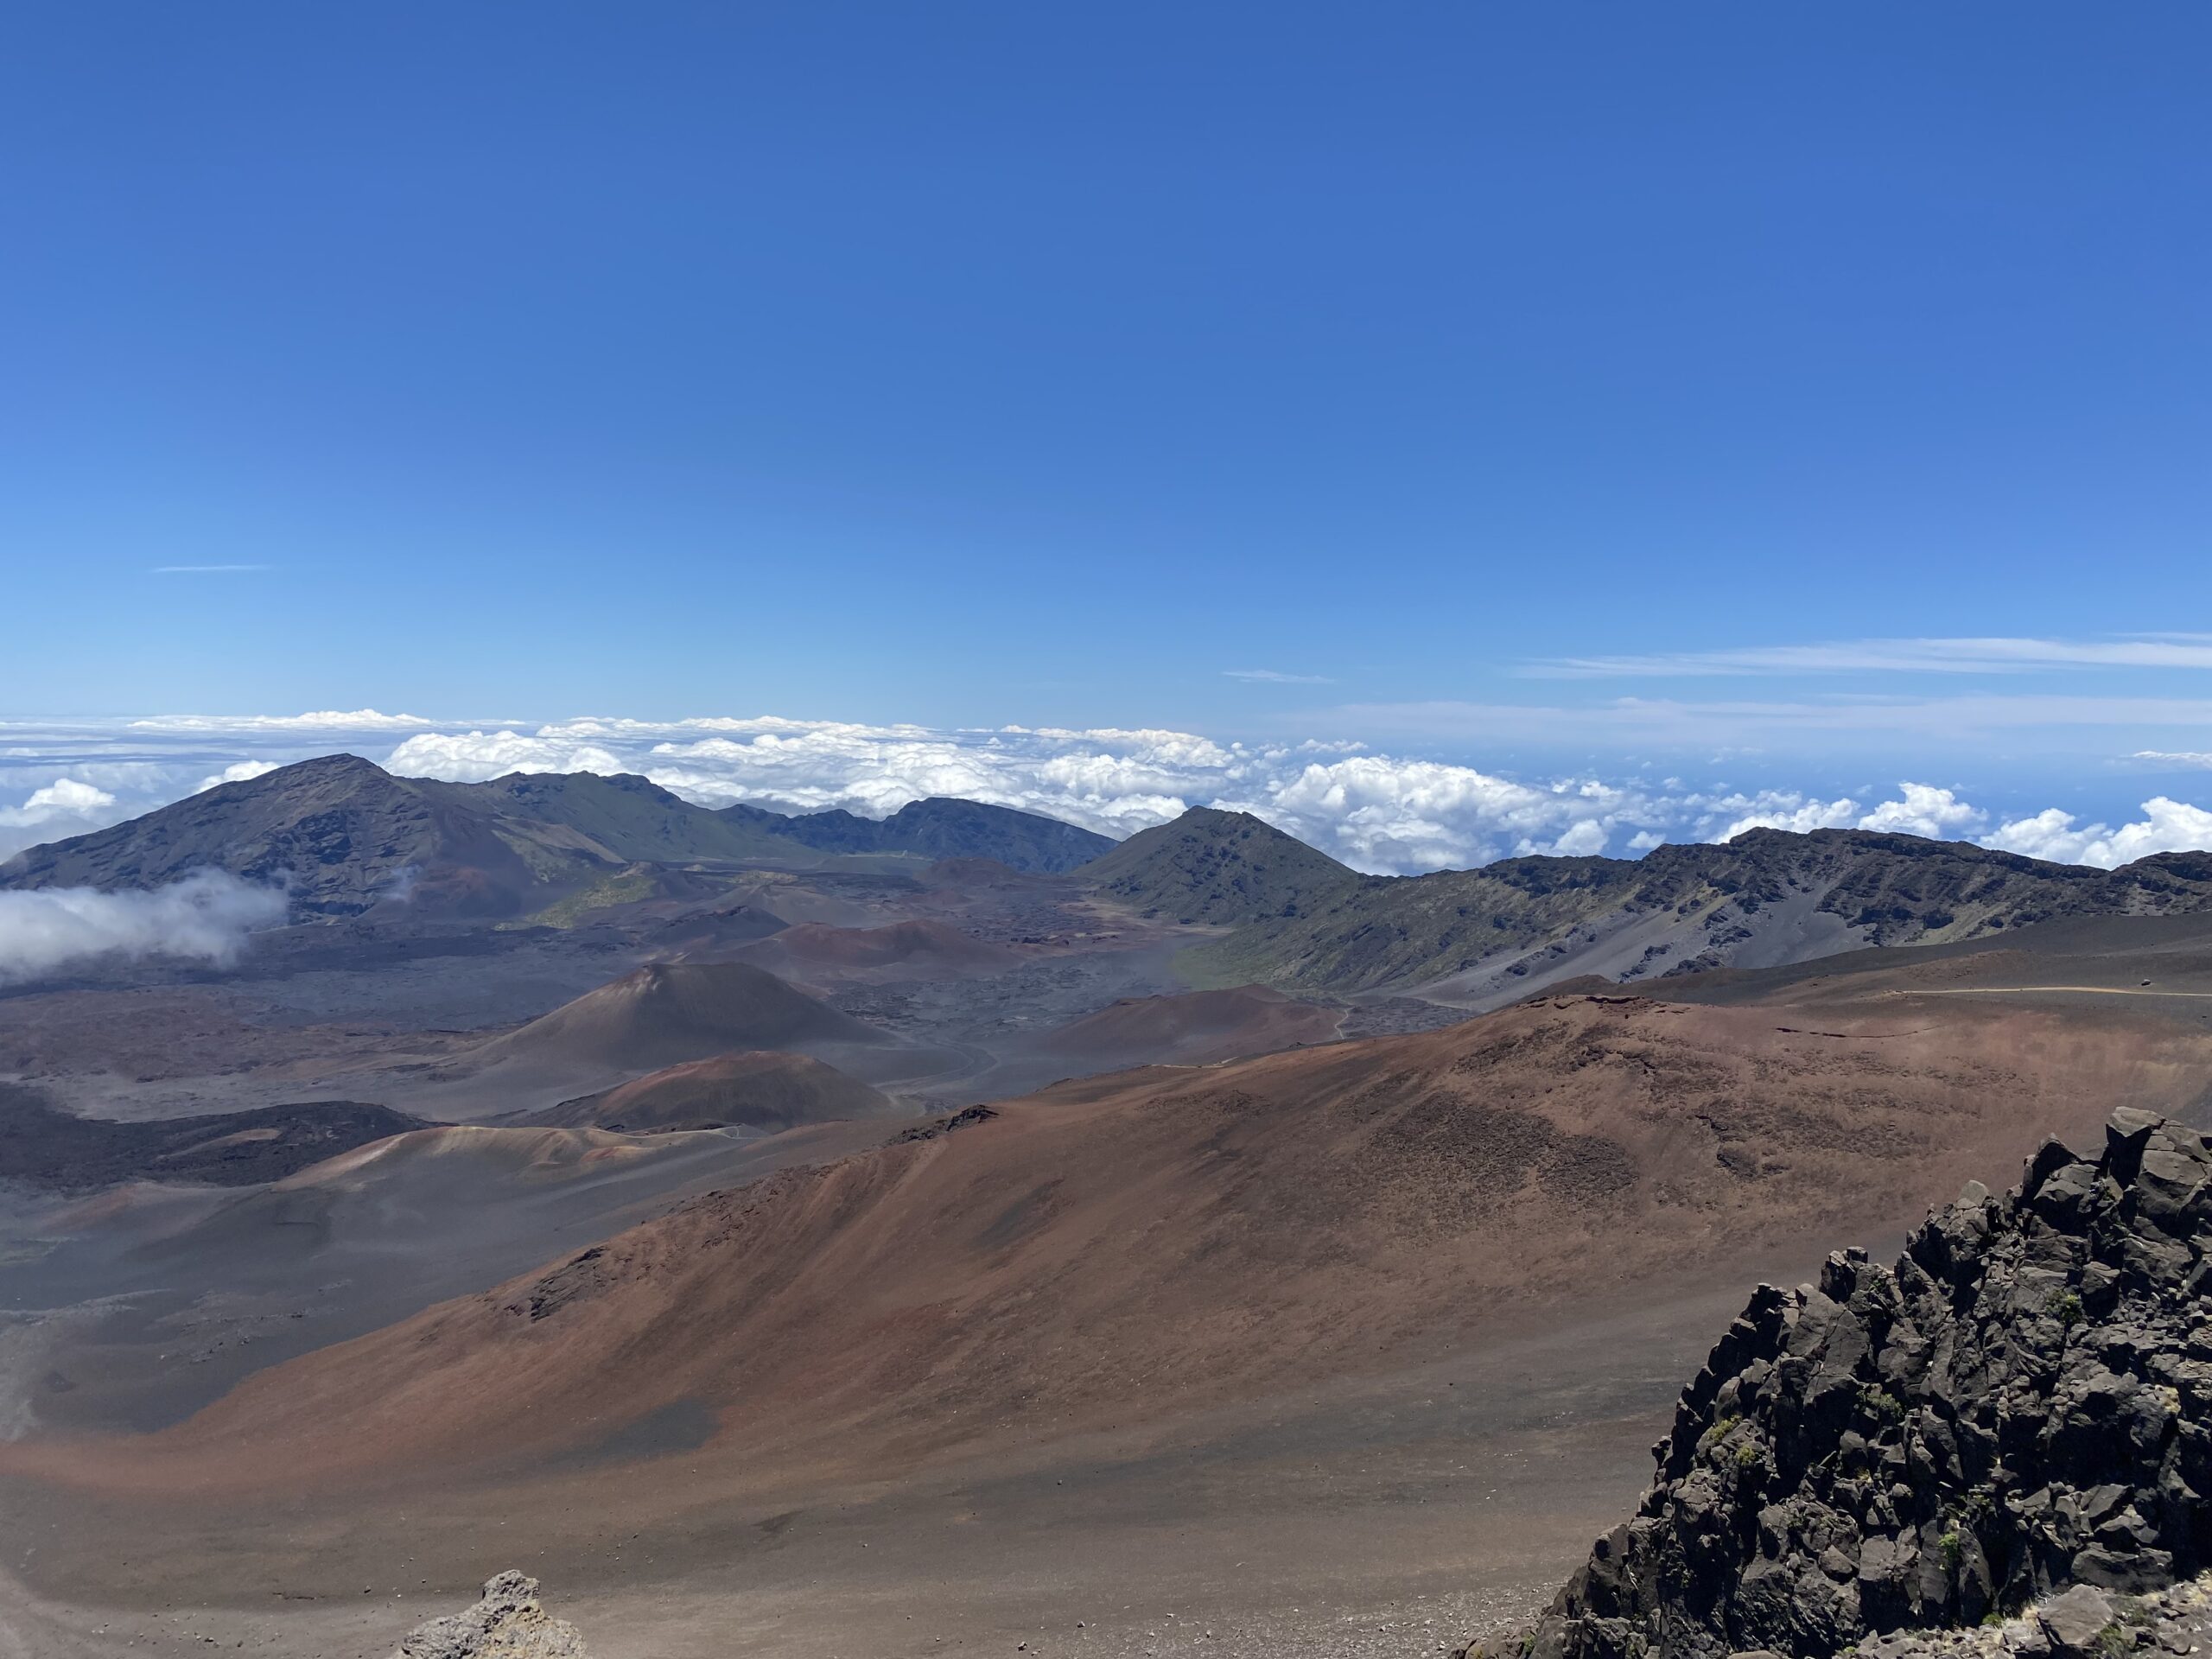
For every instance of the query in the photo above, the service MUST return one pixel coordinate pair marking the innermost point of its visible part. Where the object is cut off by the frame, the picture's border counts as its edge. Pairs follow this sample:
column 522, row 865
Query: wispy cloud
column 1996, row 655
column 1275, row 676
column 1824, row 725
column 204, row 917
column 2175, row 758
column 322, row 719
column 207, row 570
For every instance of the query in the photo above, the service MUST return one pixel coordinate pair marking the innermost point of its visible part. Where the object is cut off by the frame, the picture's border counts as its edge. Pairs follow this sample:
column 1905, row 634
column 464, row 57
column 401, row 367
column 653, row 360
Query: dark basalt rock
column 2019, row 1406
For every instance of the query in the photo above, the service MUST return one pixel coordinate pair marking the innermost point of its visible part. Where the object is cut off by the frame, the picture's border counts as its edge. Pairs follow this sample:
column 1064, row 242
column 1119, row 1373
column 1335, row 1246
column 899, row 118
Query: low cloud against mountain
column 204, row 917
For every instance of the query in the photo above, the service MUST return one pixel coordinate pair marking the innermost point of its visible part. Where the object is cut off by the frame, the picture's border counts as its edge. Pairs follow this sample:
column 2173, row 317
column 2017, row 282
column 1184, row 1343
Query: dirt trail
column 2015, row 990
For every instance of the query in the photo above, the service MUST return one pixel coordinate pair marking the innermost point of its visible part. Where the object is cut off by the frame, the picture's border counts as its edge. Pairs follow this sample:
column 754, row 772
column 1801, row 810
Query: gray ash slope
column 2019, row 1406
column 45, row 1148
column 1485, row 935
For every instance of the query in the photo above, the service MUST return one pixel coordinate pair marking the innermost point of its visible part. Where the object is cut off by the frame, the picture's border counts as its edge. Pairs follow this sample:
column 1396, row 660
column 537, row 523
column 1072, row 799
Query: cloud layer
column 204, row 917
column 1377, row 812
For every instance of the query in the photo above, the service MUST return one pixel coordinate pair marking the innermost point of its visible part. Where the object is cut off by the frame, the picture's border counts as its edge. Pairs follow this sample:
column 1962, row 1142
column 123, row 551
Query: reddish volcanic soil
column 1347, row 1349
column 666, row 1014
column 758, row 1090
column 1192, row 1028
column 1165, row 1241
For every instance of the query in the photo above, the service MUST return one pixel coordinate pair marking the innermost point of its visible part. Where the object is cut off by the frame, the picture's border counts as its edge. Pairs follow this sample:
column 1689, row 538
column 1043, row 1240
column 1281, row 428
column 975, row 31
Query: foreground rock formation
column 507, row 1623
column 2018, row 1407
column 2083, row 1623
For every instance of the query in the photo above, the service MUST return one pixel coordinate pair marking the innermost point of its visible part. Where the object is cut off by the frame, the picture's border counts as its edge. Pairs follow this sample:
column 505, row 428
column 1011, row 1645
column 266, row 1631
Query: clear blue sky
column 965, row 364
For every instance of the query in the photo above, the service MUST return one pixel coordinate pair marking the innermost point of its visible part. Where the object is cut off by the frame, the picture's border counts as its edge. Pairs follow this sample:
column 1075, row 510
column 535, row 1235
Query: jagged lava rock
column 507, row 1623
column 2016, row 1406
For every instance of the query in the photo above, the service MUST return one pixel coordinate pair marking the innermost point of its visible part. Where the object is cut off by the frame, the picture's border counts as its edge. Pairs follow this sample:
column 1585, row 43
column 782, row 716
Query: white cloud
column 1777, row 810
column 204, row 917
column 238, row 772
column 1922, row 809
column 2185, row 758
column 1926, row 810
column 2167, row 826
column 63, row 797
column 1935, row 656
column 65, row 807
column 1585, row 839
column 1273, row 677
column 1377, row 813
column 476, row 757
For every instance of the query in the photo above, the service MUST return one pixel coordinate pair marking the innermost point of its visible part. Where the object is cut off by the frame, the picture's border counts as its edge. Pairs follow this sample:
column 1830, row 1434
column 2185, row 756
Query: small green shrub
column 2066, row 1308
column 1878, row 1402
column 1719, row 1432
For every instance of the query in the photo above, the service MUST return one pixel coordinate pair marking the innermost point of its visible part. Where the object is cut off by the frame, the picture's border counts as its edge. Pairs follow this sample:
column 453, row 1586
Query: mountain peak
column 1215, row 865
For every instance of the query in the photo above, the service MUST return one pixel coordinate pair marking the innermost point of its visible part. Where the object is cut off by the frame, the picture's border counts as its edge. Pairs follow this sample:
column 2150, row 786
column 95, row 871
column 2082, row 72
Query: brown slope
column 1192, row 1028
column 757, row 1089
column 668, row 1013
column 178, row 1292
column 902, row 951
column 1113, row 1250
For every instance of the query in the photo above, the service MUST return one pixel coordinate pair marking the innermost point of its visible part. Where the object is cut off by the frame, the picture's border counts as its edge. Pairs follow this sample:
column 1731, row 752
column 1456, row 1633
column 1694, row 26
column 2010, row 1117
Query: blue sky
column 1474, row 373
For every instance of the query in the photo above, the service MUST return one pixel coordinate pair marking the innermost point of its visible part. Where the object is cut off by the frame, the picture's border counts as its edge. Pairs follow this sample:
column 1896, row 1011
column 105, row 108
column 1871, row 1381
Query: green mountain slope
column 938, row 828
column 631, row 817
column 1211, row 866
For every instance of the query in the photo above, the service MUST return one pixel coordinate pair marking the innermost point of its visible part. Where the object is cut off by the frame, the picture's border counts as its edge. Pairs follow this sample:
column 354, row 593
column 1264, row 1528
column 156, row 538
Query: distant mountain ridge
column 347, row 836
column 1769, row 896
column 939, row 827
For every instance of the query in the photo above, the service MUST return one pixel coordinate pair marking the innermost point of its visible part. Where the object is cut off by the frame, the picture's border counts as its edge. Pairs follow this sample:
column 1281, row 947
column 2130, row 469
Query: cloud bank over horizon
column 1381, row 812
column 1377, row 812
column 204, row 917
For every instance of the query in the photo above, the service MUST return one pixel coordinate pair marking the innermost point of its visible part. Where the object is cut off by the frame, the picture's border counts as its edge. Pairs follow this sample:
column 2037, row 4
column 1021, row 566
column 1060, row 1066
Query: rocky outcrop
column 2019, row 1406
column 2083, row 1623
column 507, row 1623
